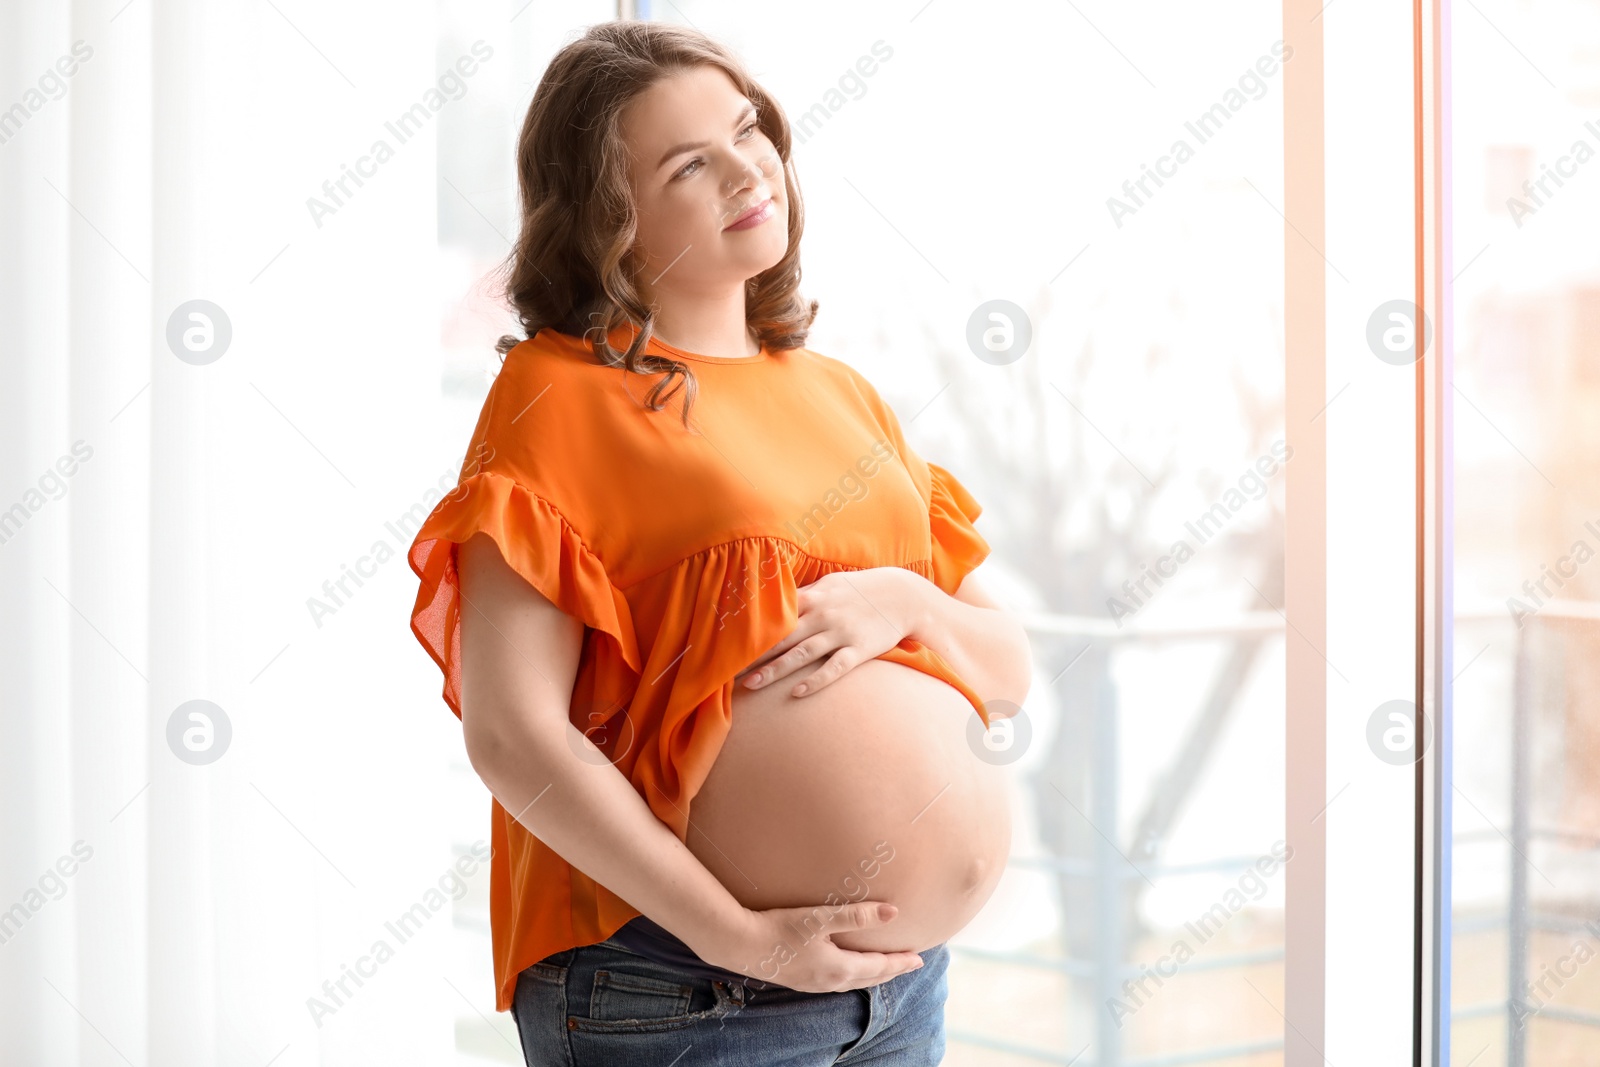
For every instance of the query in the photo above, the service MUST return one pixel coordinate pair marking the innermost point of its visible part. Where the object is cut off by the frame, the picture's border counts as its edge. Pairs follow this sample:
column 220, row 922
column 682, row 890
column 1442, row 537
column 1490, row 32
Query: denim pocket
column 621, row 1002
column 619, row 996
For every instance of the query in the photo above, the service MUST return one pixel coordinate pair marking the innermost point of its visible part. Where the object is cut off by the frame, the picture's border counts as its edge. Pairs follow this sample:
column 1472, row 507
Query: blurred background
column 216, row 508
column 1527, row 526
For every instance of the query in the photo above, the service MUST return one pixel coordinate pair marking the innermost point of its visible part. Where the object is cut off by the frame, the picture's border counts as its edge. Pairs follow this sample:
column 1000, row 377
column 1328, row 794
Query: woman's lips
column 754, row 217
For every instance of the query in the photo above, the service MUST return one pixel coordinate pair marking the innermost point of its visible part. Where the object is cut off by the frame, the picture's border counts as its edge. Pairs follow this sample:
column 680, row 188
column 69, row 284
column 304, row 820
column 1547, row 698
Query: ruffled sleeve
column 958, row 547
column 537, row 542
column 512, row 488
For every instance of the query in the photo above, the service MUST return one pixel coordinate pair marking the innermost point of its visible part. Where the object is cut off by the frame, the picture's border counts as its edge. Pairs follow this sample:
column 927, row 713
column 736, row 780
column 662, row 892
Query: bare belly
column 864, row 790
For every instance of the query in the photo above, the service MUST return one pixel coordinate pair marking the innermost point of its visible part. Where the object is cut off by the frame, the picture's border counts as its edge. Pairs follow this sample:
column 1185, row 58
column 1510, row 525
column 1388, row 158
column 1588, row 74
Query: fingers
column 766, row 656
column 769, row 667
column 834, row 668
column 889, row 964
column 858, row 970
column 882, row 966
column 836, row 918
column 911, row 962
column 831, row 662
column 860, row 915
column 801, row 653
column 831, row 968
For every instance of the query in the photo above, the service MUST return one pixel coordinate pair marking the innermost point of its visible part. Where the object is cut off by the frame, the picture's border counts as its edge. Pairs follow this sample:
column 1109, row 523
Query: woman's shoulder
column 830, row 367
column 556, row 366
column 541, row 404
column 846, row 378
column 547, row 350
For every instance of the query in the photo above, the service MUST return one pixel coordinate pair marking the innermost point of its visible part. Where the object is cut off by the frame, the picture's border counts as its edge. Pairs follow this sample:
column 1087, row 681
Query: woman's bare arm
column 519, row 657
column 982, row 642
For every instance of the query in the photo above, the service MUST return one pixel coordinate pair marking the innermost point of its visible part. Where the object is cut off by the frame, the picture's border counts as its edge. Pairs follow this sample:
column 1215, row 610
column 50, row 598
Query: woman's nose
column 750, row 173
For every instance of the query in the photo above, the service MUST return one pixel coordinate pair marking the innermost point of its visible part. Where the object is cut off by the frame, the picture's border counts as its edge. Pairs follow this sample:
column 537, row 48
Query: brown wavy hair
column 570, row 269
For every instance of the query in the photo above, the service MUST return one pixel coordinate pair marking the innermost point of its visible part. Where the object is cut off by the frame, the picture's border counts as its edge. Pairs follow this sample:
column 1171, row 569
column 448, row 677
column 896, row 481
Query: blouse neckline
column 625, row 334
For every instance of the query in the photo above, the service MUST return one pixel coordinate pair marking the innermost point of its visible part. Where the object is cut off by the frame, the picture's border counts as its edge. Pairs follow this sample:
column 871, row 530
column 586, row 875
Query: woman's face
column 698, row 162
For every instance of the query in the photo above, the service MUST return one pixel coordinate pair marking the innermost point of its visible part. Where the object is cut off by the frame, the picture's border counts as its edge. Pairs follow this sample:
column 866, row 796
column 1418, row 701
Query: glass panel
column 1107, row 179
column 1526, row 991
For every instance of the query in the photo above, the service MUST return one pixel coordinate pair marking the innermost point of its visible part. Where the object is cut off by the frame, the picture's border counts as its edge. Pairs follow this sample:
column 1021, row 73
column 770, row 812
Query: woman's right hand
column 792, row 947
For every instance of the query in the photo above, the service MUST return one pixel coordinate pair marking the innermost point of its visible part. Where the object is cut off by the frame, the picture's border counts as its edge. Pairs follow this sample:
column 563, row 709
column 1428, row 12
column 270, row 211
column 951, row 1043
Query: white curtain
column 165, row 523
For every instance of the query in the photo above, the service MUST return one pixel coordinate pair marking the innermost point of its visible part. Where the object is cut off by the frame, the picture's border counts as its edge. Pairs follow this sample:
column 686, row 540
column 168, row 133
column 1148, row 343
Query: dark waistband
column 644, row 937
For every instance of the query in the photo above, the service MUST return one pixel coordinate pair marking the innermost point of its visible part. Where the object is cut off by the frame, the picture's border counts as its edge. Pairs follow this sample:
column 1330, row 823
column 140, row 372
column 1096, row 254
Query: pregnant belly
column 866, row 789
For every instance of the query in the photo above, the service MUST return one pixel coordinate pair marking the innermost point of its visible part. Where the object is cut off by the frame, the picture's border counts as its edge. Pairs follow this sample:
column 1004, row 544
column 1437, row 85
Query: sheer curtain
column 219, row 412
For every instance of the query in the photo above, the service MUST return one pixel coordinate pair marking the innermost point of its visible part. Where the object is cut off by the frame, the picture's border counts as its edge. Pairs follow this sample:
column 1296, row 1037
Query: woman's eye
column 685, row 171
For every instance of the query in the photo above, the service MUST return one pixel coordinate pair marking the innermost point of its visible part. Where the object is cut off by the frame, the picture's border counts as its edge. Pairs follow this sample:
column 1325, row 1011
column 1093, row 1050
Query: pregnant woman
column 705, row 617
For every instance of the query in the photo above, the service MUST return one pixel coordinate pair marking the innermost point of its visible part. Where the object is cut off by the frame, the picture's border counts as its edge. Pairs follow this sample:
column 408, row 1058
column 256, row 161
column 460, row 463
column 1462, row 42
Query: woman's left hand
column 855, row 615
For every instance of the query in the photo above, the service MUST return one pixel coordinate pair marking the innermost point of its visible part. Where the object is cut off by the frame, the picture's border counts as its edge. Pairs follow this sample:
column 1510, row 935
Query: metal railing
column 1521, row 917
column 1109, row 868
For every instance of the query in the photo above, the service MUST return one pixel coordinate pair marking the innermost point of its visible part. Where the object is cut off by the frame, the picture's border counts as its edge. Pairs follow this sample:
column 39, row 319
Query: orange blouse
column 681, row 551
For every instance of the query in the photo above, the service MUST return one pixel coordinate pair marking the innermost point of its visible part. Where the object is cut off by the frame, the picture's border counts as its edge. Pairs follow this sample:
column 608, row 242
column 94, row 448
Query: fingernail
column 886, row 911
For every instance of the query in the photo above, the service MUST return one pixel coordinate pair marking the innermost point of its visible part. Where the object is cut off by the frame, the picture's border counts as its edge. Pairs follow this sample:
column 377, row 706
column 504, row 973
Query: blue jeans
column 600, row 1005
